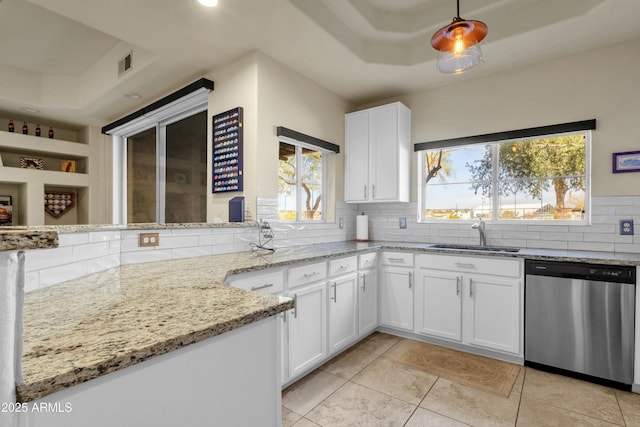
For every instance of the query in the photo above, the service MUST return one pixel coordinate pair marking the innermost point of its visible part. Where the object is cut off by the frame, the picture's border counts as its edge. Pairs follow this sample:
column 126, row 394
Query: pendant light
column 457, row 44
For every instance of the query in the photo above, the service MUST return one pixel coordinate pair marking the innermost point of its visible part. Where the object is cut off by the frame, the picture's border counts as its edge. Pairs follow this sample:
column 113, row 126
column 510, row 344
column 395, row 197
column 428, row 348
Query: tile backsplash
column 84, row 253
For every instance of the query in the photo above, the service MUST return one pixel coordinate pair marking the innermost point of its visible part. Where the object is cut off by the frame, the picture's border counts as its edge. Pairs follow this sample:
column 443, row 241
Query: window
column 301, row 177
column 540, row 178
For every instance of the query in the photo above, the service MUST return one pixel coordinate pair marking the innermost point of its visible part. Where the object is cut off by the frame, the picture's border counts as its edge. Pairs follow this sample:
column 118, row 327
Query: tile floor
column 365, row 387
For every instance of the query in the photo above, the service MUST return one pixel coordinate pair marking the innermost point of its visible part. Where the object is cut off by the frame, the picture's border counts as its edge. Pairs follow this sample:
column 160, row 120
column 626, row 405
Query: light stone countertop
column 18, row 238
column 88, row 327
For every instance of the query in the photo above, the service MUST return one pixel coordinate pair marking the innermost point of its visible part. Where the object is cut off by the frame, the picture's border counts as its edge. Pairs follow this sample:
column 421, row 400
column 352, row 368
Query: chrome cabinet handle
column 400, row 260
column 335, row 296
column 284, row 317
column 470, row 288
column 410, row 279
column 295, row 306
column 365, row 192
column 457, row 285
column 307, row 275
column 464, row 265
column 257, row 288
column 364, row 283
column 374, row 191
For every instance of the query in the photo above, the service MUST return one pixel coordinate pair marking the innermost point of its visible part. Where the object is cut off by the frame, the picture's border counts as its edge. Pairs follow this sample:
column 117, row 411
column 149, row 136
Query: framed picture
column 628, row 161
column 6, row 211
column 68, row 166
column 31, row 163
column 57, row 204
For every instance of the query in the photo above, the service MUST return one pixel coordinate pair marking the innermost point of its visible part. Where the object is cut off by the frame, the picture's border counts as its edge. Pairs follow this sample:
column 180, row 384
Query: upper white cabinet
column 377, row 154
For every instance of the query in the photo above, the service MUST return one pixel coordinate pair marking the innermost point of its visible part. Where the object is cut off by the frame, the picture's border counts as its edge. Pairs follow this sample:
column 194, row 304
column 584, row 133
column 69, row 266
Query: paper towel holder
column 362, row 228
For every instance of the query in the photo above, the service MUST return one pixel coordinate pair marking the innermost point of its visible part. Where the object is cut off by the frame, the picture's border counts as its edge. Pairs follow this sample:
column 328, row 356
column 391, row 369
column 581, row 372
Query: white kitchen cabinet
column 494, row 319
column 343, row 312
column 475, row 301
column 377, row 154
column 439, row 304
column 396, row 298
column 367, row 301
column 307, row 328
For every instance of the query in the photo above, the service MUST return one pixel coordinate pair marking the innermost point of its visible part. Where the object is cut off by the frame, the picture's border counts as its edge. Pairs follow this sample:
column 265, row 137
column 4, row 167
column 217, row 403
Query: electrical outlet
column 341, row 223
column 403, row 222
column 626, row 227
column 148, row 239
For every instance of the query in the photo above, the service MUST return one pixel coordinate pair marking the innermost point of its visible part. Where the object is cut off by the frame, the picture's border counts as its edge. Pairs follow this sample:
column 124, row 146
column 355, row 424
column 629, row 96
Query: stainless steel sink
column 476, row 248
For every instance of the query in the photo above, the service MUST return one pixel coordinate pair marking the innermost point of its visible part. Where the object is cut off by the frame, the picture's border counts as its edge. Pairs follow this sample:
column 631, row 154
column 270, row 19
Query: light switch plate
column 626, row 227
column 340, row 223
column 403, row 222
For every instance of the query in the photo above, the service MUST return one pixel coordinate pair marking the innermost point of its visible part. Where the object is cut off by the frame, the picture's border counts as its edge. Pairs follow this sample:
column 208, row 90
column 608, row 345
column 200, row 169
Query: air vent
column 125, row 64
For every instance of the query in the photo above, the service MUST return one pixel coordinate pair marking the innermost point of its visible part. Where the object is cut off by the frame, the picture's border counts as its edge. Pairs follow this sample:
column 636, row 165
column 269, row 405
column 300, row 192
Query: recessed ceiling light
column 29, row 109
column 208, row 3
column 132, row 95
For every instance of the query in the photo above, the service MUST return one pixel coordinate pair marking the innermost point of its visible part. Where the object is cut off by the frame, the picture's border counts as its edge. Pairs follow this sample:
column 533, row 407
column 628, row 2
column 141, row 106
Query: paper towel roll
column 362, row 228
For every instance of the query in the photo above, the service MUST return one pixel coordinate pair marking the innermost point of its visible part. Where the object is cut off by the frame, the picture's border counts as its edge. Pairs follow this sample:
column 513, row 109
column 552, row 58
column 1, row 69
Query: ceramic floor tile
column 399, row 348
column 349, row 363
column 422, row 418
column 577, row 396
column 289, row 418
column 517, row 386
column 377, row 343
column 534, row 414
column 630, row 405
column 306, row 394
column 470, row 405
column 305, row 423
column 355, row 405
column 396, row 379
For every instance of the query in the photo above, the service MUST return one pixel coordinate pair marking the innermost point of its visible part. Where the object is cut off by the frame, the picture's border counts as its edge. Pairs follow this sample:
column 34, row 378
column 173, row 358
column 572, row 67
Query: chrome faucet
column 480, row 227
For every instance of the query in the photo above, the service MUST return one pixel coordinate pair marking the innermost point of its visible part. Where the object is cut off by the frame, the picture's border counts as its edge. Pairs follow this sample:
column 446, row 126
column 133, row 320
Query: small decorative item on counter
column 50, row 132
column 38, row 130
column 68, row 166
column 25, row 129
column 12, row 127
column 57, row 204
column 31, row 163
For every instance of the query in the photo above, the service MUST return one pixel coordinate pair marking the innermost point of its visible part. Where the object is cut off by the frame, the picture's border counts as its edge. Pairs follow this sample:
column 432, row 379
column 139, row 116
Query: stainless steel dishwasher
column 579, row 320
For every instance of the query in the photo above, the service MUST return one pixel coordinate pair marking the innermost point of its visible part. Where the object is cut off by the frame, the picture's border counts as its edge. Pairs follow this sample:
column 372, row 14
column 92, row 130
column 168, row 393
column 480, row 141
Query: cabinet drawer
column 403, row 259
column 299, row 276
column 368, row 260
column 495, row 266
column 267, row 282
column 343, row 266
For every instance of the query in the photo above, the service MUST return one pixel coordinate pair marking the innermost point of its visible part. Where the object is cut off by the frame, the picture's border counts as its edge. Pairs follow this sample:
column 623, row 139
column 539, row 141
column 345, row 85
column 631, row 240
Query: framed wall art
column 628, row 161
column 31, row 163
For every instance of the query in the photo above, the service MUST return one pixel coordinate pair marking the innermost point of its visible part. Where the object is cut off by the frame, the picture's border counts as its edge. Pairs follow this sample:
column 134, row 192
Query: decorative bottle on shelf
column 12, row 128
column 38, row 130
column 50, row 132
column 25, row 128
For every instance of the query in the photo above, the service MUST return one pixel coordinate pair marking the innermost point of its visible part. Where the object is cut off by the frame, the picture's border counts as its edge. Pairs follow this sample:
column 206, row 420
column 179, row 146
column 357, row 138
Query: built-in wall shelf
column 53, row 165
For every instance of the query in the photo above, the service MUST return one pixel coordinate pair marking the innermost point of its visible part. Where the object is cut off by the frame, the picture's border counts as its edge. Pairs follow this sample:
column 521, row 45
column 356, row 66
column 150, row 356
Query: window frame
column 495, row 181
column 299, row 145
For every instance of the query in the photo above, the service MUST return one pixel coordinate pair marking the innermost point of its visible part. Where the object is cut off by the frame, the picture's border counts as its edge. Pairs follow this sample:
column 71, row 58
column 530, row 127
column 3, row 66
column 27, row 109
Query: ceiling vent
column 125, row 64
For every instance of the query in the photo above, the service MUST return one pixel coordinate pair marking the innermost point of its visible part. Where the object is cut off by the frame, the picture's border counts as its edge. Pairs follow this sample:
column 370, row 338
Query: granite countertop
column 18, row 238
column 84, row 328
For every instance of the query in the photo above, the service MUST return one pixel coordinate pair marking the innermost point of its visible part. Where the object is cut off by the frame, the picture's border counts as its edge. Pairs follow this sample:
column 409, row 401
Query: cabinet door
column 356, row 157
column 383, row 173
column 307, row 328
column 396, row 298
column 343, row 312
column 439, row 304
column 368, row 301
column 494, row 313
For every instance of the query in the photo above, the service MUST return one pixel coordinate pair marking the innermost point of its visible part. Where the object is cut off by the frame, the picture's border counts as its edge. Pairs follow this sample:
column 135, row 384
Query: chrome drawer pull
column 257, row 288
column 364, row 283
column 464, row 265
column 470, row 288
column 401, row 260
column 315, row 273
column 410, row 280
column 457, row 285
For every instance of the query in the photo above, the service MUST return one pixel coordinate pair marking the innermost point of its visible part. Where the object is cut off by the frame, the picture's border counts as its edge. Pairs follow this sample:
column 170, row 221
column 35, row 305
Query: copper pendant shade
column 458, row 44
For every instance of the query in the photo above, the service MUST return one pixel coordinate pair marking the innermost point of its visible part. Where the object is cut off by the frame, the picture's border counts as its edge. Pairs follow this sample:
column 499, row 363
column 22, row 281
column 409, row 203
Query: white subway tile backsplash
column 90, row 251
column 104, row 236
column 51, row 276
column 47, row 258
column 73, row 239
column 104, row 263
column 191, row 252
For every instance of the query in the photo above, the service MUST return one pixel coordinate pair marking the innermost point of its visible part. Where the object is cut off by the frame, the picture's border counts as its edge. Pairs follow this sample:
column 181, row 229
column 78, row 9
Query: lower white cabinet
column 478, row 303
column 438, row 305
column 396, row 297
column 367, row 301
column 343, row 312
column 307, row 328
